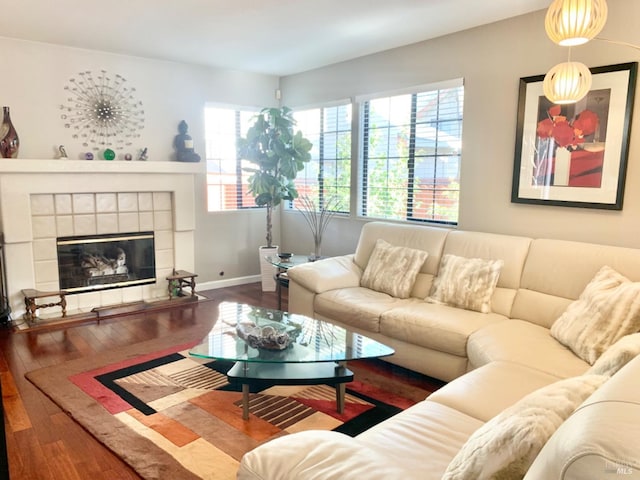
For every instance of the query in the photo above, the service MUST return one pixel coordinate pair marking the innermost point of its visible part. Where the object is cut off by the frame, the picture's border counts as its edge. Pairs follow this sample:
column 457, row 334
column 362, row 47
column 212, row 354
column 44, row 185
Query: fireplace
column 99, row 262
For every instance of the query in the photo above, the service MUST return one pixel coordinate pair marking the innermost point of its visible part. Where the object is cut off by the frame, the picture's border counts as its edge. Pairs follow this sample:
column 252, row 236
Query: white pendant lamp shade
column 567, row 83
column 574, row 22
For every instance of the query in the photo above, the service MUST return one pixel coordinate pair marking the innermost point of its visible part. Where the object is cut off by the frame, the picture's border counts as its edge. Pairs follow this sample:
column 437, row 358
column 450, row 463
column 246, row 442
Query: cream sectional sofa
column 493, row 362
column 539, row 279
column 599, row 441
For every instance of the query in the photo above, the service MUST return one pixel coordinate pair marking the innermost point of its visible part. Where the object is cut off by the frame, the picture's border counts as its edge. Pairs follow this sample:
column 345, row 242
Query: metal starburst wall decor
column 102, row 111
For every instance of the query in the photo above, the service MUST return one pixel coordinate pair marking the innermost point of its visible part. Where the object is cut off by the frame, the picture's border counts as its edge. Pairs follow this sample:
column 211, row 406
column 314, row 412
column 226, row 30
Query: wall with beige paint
column 491, row 59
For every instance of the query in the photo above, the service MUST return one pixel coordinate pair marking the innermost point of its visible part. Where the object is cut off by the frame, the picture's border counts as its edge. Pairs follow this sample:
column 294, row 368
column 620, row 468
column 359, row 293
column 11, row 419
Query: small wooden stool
column 30, row 296
column 182, row 279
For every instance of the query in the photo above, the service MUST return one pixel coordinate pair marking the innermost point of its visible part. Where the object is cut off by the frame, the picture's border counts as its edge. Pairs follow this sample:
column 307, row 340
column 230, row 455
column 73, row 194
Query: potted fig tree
column 278, row 154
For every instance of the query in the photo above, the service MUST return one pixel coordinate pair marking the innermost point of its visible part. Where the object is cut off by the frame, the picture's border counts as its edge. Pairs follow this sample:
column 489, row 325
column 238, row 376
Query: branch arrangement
column 318, row 218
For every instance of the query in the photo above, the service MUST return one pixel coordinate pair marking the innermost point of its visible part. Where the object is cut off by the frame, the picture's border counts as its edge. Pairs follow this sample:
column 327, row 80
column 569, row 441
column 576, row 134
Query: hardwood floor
column 44, row 443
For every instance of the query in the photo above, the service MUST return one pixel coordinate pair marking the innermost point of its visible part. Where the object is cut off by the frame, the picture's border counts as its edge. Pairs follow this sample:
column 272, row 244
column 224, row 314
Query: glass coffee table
column 317, row 351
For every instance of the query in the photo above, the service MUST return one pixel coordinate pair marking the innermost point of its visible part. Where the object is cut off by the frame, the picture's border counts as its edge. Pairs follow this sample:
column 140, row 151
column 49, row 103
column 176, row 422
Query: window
column 326, row 179
column 411, row 150
column 226, row 181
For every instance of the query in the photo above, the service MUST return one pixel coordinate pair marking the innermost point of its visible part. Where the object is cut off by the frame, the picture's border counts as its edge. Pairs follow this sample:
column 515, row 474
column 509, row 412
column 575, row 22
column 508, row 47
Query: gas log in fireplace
column 98, row 262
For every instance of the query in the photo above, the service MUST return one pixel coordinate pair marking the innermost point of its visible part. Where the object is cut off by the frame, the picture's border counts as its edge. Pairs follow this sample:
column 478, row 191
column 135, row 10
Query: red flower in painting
column 566, row 133
column 587, row 122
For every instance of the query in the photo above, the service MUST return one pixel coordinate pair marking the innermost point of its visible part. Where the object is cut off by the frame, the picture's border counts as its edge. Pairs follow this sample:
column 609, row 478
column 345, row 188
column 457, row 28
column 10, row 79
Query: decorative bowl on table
column 285, row 257
column 268, row 337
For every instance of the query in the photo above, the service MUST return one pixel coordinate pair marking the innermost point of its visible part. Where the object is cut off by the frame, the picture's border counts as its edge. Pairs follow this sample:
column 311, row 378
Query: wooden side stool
column 180, row 279
column 31, row 295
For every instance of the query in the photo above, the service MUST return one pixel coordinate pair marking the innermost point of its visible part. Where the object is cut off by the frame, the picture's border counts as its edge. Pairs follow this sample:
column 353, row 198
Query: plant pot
column 267, row 270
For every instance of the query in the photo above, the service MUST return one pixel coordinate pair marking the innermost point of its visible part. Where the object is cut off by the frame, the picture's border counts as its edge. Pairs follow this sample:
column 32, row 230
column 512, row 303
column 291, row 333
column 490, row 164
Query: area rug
column 170, row 415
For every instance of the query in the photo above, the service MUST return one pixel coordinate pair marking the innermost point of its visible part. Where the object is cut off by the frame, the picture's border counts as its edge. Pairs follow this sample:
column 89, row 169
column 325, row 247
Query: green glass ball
column 109, row 154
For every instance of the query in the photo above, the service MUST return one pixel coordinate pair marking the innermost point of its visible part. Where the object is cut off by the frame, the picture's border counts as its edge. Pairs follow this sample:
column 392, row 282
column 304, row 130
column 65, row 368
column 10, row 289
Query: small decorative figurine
column 184, row 145
column 143, row 154
column 127, row 157
column 63, row 152
column 88, row 156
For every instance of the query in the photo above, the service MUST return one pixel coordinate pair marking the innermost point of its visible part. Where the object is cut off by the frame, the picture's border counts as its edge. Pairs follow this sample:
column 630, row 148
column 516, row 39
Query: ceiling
column 278, row 37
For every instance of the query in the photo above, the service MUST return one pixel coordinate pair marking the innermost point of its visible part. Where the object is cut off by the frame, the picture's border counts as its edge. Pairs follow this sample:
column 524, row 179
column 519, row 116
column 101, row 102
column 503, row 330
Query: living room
column 222, row 245
column 491, row 59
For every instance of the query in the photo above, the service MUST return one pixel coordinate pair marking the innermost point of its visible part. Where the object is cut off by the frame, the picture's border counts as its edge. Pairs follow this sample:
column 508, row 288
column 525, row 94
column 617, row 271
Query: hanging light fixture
column 567, row 82
column 568, row 23
column 574, row 22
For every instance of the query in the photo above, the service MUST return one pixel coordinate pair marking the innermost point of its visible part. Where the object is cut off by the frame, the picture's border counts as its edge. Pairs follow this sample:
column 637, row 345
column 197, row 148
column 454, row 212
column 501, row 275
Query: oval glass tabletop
column 310, row 340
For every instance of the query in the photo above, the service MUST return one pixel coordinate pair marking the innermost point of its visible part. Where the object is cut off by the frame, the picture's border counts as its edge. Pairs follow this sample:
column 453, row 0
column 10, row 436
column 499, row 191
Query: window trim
column 236, row 109
column 289, row 207
column 361, row 107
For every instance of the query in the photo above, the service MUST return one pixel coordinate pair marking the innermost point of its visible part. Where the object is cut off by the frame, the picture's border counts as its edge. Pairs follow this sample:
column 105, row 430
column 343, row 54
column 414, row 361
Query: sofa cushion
column 423, row 439
column 486, row 391
column 600, row 440
column 507, row 445
column 393, row 269
column 607, row 309
column 438, row 327
column 421, row 237
column 557, row 271
column 617, row 355
column 465, row 282
column 357, row 307
column 316, row 455
column 525, row 343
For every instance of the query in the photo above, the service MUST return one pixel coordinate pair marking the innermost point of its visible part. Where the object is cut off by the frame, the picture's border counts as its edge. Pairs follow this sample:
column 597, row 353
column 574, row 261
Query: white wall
column 32, row 84
column 491, row 59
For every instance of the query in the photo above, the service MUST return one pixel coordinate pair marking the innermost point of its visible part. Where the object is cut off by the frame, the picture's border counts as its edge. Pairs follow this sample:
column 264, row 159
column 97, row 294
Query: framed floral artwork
column 575, row 155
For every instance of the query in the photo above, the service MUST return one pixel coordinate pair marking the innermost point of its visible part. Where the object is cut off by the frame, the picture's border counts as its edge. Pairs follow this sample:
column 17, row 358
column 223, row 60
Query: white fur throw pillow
column 617, row 356
column 465, row 282
column 392, row 269
column 607, row 310
column 505, row 447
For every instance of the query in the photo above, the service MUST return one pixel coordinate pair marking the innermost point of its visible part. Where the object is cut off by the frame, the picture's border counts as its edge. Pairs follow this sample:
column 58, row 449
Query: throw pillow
column 617, row 356
column 392, row 269
column 506, row 446
column 607, row 310
column 465, row 282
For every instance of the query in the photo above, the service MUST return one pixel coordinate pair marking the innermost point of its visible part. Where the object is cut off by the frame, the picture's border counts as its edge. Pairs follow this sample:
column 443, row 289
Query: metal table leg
column 245, row 401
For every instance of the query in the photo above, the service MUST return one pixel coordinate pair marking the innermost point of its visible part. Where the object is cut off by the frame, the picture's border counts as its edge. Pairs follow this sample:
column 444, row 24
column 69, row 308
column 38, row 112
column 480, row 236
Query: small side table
column 281, row 277
column 31, row 295
column 183, row 279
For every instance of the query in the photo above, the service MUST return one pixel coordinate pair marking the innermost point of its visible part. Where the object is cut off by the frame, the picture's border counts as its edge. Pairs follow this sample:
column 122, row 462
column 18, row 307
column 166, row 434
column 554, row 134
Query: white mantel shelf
column 23, row 165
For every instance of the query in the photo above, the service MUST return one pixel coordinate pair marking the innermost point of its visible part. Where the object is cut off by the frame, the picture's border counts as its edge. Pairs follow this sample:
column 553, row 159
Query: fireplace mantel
column 21, row 179
column 23, row 165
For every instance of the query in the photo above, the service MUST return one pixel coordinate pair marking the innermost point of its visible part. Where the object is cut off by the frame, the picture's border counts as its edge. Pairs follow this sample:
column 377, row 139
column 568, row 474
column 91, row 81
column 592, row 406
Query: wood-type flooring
column 44, row 443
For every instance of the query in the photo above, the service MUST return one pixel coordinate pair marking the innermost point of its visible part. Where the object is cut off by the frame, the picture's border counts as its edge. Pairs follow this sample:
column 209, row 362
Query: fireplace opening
column 99, row 262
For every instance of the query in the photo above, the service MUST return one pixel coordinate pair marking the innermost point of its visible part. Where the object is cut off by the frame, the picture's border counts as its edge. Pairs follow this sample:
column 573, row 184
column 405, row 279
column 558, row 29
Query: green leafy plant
column 278, row 155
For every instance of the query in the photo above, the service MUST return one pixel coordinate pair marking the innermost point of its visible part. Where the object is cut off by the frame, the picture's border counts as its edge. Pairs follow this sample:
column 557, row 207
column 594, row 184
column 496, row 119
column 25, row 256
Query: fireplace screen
column 98, row 262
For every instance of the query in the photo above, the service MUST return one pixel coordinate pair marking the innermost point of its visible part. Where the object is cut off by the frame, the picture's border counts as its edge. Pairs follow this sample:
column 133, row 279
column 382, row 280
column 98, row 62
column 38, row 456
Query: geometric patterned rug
column 190, row 417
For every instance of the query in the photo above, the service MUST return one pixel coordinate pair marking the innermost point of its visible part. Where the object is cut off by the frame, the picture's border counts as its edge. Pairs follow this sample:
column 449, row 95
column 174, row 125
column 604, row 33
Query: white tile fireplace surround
column 41, row 200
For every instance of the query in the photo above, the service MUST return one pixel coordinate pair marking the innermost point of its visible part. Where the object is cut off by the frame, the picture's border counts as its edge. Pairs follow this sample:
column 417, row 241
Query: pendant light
column 567, row 82
column 574, row 22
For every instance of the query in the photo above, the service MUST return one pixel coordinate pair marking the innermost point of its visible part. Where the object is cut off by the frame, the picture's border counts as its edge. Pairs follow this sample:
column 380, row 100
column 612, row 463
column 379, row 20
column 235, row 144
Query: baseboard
column 229, row 282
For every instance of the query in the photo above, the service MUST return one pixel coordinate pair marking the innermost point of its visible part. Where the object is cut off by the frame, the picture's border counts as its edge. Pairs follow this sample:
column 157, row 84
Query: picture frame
column 575, row 155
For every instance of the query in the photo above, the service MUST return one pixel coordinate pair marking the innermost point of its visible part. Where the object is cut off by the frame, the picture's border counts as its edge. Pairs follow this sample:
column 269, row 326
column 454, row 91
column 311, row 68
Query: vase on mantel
column 9, row 141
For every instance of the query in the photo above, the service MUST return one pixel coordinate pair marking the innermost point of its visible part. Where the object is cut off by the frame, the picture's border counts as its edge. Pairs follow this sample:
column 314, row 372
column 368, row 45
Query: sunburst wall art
column 102, row 111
